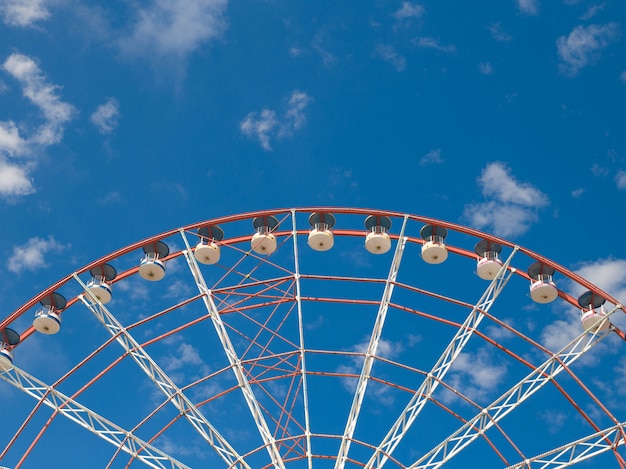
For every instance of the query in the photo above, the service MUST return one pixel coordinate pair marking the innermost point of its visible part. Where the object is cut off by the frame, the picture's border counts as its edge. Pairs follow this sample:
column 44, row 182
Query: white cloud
column 432, row 157
column 620, row 179
column 477, row 374
column 174, row 28
column 391, row 56
column 294, row 116
column 14, row 180
column 186, row 355
column 608, row 274
column 15, row 177
column 485, row 68
column 578, row 192
column 561, row 332
column 529, row 7
column 432, row 43
column 10, row 141
column 511, row 206
column 43, row 95
column 266, row 125
column 409, row 10
column 497, row 182
column 622, row 76
column 506, row 220
column 106, row 115
column 260, row 126
column 31, row 255
column 582, row 46
column 23, row 12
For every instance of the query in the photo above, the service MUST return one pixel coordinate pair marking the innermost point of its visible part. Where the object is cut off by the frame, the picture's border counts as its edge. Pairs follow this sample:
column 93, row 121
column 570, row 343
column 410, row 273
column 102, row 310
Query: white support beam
column 370, row 354
column 233, row 358
column 576, row 451
column 305, row 392
column 90, row 420
column 511, row 399
column 441, row 367
column 184, row 405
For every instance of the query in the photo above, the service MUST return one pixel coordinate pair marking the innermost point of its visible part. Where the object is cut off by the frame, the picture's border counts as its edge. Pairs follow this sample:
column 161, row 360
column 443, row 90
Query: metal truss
column 371, row 351
column 305, row 392
column 443, row 364
column 512, row 398
column 233, row 358
column 161, row 379
column 576, row 451
column 90, row 420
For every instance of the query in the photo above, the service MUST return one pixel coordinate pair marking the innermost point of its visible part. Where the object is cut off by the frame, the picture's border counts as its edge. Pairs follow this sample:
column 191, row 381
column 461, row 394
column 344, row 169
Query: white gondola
column 208, row 250
column 47, row 318
column 152, row 266
column 434, row 250
column 377, row 240
column 6, row 357
column 320, row 236
column 488, row 264
column 8, row 338
column 593, row 316
column 264, row 242
column 47, row 321
column 100, row 283
column 542, row 286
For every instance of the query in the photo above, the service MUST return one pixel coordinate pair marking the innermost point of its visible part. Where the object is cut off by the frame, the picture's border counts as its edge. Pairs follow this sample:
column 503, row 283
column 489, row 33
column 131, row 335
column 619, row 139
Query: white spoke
column 576, row 451
column 371, row 352
column 88, row 419
column 512, row 398
column 233, row 358
column 443, row 364
column 305, row 393
column 161, row 379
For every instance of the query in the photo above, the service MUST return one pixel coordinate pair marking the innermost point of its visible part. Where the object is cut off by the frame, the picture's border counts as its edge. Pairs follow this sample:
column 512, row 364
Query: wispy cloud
column 498, row 33
column 432, row 157
column 106, row 116
column 32, row 255
column 15, row 179
column 23, row 13
column 42, row 94
column 390, row 55
column 622, row 76
column 620, row 179
column 583, row 45
column 173, row 29
column 409, row 10
column 485, row 68
column 528, row 7
column 433, row 43
column 266, row 125
column 510, row 206
column 592, row 11
column 386, row 349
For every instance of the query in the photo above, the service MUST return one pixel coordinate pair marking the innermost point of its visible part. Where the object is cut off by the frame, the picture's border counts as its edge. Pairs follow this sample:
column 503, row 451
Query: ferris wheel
column 314, row 338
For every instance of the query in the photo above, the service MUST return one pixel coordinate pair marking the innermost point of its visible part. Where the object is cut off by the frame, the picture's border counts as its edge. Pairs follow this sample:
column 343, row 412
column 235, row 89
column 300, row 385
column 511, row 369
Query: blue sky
column 121, row 120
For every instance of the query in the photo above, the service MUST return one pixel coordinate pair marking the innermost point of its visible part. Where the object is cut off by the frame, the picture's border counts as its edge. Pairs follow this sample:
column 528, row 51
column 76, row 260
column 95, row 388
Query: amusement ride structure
column 321, row 337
